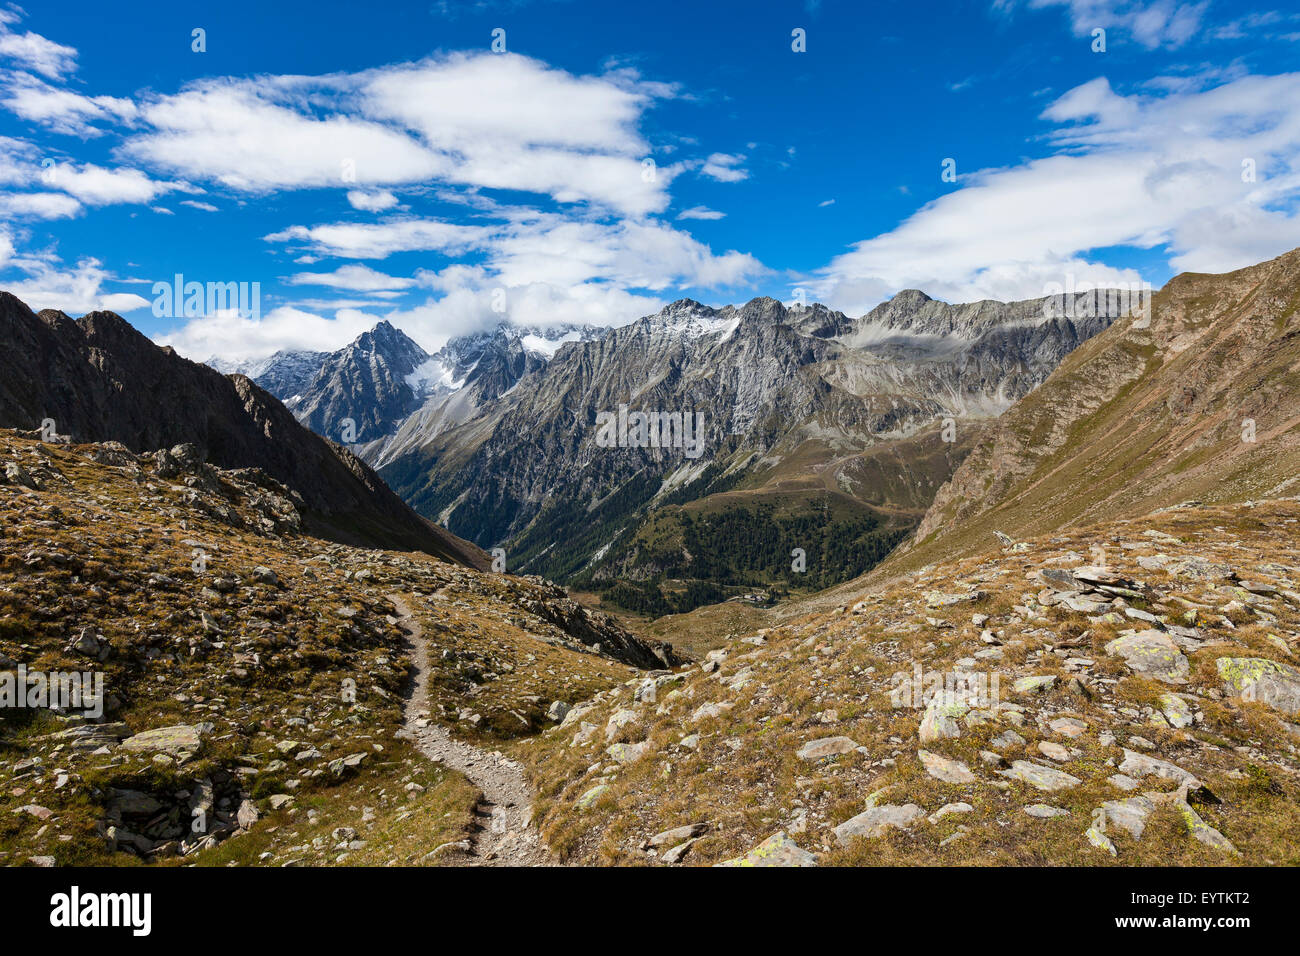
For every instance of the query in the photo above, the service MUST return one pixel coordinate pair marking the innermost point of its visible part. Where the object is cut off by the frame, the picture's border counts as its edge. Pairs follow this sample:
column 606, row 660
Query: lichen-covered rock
column 1153, row 654
column 776, row 850
column 876, row 821
column 1261, row 680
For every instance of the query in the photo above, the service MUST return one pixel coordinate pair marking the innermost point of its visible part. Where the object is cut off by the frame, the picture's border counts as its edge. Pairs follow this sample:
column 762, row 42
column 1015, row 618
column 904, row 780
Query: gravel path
column 503, row 835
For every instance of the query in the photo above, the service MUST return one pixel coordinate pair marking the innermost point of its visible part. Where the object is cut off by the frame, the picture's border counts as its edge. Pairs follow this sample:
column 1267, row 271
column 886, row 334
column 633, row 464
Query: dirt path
column 503, row 835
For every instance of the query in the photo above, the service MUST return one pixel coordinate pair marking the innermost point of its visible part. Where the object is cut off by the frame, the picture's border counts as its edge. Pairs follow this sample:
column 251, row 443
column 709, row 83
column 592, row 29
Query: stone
column 173, row 741
column 1262, row 681
column 1068, row 726
column 627, row 753
column 247, row 814
column 826, row 747
column 557, row 711
column 675, row 854
column 1054, row 751
column 592, row 795
column 1038, row 684
column 677, row 835
column 941, row 721
column 1176, row 710
column 1129, row 815
column 942, row 599
column 1039, row 776
column 618, row 720
column 876, row 821
column 1045, row 811
column 776, row 850
column 1006, row 740
column 1152, row 654
column 945, row 769
column 1122, row 782
column 950, row 808
column 1140, row 765
column 1100, row 841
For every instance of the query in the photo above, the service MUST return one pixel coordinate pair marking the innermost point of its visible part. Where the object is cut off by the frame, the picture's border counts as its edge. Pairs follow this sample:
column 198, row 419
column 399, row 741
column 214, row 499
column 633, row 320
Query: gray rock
column 776, row 850
column 945, row 769
column 1039, row 776
column 876, row 821
column 826, row 747
column 1152, row 654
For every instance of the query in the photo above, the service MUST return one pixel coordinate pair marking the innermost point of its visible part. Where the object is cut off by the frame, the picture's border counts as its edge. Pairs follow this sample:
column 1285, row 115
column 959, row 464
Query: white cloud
column 76, row 292
column 201, row 206
column 1152, row 23
column 235, row 338
column 376, row 201
column 61, row 110
column 97, row 186
column 33, row 50
column 1139, row 171
column 725, row 168
column 531, row 248
column 700, row 212
column 481, row 121
column 233, row 132
column 39, row 205
column 353, row 240
column 357, row 278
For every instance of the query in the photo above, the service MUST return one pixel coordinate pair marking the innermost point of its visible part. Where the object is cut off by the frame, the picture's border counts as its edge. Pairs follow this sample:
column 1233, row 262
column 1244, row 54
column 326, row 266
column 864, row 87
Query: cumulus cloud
column 34, row 51
column 248, row 136
column 374, row 201
column 357, row 240
column 97, row 186
column 237, row 339
column 531, row 248
column 43, row 205
column 1141, row 171
column 356, row 278
column 484, row 121
column 725, row 168
column 75, row 291
column 61, row 110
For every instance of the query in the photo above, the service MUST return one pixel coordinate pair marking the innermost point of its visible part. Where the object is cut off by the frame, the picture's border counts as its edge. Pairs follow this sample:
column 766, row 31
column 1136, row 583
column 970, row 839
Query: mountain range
column 1110, row 534
column 821, row 432
column 98, row 379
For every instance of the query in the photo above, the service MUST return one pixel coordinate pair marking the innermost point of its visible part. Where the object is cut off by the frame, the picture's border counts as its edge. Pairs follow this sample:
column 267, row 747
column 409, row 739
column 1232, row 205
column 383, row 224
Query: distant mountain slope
column 1204, row 404
column 368, row 382
column 468, row 372
column 99, row 379
column 791, row 400
column 285, row 374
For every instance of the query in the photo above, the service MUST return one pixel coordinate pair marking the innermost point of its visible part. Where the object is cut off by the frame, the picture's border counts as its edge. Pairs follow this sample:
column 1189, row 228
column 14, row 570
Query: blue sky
column 369, row 161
